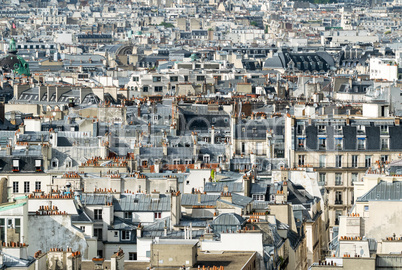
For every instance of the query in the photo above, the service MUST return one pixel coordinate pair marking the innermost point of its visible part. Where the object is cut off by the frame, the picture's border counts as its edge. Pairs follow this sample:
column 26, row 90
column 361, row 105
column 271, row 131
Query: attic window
column 38, row 165
column 206, row 158
column 16, row 165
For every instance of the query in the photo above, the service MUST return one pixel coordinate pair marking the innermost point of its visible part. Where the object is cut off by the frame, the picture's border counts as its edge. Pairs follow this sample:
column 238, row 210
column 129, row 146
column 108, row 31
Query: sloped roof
column 142, row 203
column 383, row 191
column 219, row 186
column 228, row 219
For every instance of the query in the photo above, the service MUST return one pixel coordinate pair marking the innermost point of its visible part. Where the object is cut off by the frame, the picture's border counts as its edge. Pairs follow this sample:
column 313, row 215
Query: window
column 15, row 187
column 258, row 197
column 136, row 79
column 338, row 179
column 300, row 129
column 144, row 163
column 38, row 185
column 17, row 225
column 354, row 161
column 366, row 208
column 125, row 235
column 200, row 78
column 188, row 161
column 157, row 215
column 176, row 161
column 158, row 88
column 384, row 143
column 38, row 165
column 174, row 79
column 321, row 128
column 354, row 177
column 156, row 79
column 301, row 160
column 301, row 142
column 206, row 158
column 220, row 159
column 384, row 129
column 128, row 215
column 322, row 161
column 338, row 143
column 322, row 143
column 322, row 179
column 98, row 214
column 338, row 161
column 82, row 228
column 2, row 230
column 368, row 161
column 132, row 256
column 338, row 213
column 338, row 197
column 26, row 187
column 99, row 234
column 384, row 158
column 186, row 78
column 145, row 89
column 361, row 144
column 116, row 234
column 16, row 165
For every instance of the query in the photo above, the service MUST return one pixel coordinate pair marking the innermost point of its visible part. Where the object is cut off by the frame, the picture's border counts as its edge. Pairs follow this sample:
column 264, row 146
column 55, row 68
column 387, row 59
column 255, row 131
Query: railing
column 338, row 202
column 360, row 165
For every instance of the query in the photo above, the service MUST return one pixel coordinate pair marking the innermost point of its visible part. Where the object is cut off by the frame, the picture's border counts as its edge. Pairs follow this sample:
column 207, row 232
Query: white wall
column 196, row 180
column 235, row 242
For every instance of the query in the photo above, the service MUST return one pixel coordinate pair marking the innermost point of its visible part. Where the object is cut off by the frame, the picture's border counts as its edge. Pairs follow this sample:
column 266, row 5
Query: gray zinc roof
column 192, row 199
column 142, row 203
column 219, row 186
column 383, row 191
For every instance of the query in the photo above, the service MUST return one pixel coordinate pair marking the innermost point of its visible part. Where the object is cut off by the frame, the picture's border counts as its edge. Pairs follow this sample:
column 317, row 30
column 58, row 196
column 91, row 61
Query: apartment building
column 341, row 149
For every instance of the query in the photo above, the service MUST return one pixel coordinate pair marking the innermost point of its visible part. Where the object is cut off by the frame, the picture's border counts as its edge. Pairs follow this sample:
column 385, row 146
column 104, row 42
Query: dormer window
column 206, row 158
column 16, row 165
column 38, row 165
column 55, row 163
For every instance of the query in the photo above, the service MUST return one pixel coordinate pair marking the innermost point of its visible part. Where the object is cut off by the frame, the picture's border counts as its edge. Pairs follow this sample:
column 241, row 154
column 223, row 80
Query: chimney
column 22, row 128
column 226, row 197
column 117, row 260
column 212, row 135
column 9, row 150
column 397, row 121
column 139, row 231
column 149, row 128
column 247, row 185
column 226, row 189
column 285, row 191
column 139, row 110
column 175, row 212
column 164, row 149
column 199, row 197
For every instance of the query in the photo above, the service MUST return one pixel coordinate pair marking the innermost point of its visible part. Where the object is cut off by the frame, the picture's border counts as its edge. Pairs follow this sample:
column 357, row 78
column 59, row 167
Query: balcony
column 338, row 202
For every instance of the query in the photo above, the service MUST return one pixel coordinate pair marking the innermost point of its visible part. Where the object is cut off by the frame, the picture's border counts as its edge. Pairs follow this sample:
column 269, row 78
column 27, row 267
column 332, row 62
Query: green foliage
column 254, row 23
column 388, row 32
column 167, row 25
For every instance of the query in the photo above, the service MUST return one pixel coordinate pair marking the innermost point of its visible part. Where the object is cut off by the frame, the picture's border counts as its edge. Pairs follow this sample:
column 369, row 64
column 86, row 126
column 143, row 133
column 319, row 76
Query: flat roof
column 230, row 260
